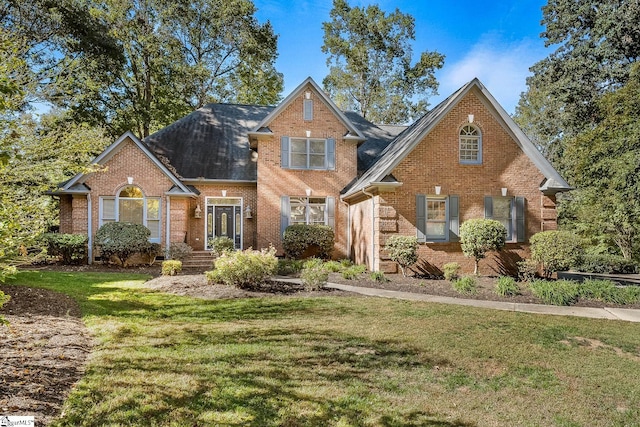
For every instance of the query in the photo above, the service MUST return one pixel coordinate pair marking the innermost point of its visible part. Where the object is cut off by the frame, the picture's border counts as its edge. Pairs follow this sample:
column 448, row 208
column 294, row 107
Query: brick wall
column 66, row 211
column 275, row 182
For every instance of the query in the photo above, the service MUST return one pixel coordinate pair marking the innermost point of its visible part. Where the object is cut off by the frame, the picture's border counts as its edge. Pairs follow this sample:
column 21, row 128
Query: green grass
column 162, row 359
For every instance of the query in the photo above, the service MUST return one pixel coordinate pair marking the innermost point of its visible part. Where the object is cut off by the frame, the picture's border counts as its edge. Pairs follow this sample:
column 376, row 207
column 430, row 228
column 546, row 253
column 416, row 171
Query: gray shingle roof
column 211, row 142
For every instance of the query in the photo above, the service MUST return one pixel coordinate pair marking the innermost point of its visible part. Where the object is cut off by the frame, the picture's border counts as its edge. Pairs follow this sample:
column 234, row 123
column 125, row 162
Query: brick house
column 247, row 172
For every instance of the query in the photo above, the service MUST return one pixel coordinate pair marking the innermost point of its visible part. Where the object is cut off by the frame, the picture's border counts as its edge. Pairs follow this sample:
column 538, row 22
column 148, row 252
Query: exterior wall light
column 308, row 191
column 470, row 118
column 198, row 212
column 247, row 212
column 130, row 180
column 224, row 193
column 504, row 191
column 438, row 189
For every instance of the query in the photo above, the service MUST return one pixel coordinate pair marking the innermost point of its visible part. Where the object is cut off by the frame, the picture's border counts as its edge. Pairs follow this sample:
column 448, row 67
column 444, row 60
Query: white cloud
column 501, row 67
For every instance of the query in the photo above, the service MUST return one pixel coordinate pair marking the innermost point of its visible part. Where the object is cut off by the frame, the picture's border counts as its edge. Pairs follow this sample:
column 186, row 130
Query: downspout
column 89, row 230
column 373, row 227
column 167, row 236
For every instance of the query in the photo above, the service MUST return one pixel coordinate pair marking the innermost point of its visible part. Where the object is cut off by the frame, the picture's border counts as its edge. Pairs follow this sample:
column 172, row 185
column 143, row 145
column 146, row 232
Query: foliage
column 606, row 263
column 333, row 266
column 403, row 250
column 221, row 244
column 314, row 275
column 558, row 292
column 353, row 272
column 465, row 285
column 346, row 262
column 479, row 236
column 171, row 267
column 555, row 250
column 451, row 271
column 371, row 66
column 596, row 44
column 506, row 286
column 527, row 269
column 288, row 267
column 378, row 276
column 122, row 240
column 152, row 250
column 244, row 268
column 179, row 251
column 72, row 248
column 299, row 238
column 3, row 300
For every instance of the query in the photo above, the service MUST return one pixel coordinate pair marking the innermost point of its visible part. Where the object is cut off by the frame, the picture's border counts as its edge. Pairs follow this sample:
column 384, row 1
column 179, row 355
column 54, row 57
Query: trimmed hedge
column 555, row 250
column 403, row 250
column 171, row 267
column 606, row 263
column 301, row 238
column 71, row 248
column 122, row 240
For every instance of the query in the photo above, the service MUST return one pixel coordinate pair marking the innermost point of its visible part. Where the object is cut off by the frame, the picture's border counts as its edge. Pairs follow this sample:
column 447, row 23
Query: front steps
column 201, row 260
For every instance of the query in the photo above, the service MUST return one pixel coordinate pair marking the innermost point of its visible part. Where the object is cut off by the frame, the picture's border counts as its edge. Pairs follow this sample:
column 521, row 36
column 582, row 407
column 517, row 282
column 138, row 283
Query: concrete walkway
column 626, row 314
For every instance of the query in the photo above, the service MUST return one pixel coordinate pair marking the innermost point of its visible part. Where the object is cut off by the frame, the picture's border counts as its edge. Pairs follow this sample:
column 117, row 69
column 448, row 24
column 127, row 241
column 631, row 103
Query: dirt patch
column 593, row 344
column 44, row 349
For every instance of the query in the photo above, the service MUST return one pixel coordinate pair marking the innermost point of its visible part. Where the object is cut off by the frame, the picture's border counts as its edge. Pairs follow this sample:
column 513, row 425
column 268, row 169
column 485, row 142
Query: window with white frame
column 131, row 205
column 308, row 210
column 470, row 146
column 436, row 220
column 308, row 110
column 510, row 212
column 503, row 213
column 307, row 153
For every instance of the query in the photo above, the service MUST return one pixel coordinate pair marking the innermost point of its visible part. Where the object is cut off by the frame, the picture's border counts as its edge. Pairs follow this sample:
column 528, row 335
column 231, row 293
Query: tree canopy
column 371, row 64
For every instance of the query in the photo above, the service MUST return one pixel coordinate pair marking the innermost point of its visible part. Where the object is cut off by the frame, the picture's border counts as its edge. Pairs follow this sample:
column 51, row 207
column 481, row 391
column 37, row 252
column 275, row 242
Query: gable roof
column 353, row 132
column 76, row 184
column 211, row 143
column 406, row 141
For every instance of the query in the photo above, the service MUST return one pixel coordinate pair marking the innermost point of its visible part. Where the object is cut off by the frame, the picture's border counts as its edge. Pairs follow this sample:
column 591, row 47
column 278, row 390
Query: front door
column 224, row 221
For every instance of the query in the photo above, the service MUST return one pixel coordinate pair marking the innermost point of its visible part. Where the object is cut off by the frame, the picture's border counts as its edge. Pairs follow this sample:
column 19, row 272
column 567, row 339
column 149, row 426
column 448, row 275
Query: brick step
column 199, row 260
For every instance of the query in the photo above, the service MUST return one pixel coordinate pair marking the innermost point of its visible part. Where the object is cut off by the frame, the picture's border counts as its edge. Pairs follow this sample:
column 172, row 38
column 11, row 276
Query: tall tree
column 596, row 43
column 179, row 55
column 371, row 66
column 604, row 163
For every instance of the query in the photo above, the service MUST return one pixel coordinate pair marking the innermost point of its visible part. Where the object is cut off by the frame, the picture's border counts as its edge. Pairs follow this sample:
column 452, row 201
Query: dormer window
column 470, row 146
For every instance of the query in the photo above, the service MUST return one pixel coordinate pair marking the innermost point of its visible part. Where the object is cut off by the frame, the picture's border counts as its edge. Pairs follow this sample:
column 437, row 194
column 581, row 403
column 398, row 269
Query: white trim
column 168, row 226
column 214, row 205
column 89, row 230
column 325, row 165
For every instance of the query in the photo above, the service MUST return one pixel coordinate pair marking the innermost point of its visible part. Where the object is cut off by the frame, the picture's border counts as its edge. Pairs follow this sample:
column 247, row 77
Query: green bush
column 4, row 298
column 378, row 276
column 353, row 272
column 301, row 238
column 555, row 250
column 527, row 270
column 606, row 263
column 243, row 269
column 630, row 294
column 314, row 275
column 507, row 287
column 601, row 290
column 346, row 262
column 403, row 250
column 221, row 244
column 71, row 248
column 152, row 251
column 287, row 267
column 451, row 270
column 479, row 236
column 122, row 240
column 334, row 266
column 559, row 292
column 465, row 285
column 171, row 267
column 180, row 251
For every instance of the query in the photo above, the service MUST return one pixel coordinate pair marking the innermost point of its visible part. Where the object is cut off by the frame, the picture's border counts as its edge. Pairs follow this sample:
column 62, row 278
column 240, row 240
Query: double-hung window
column 437, row 218
column 470, row 145
column 131, row 205
column 307, row 210
column 510, row 212
column 308, row 153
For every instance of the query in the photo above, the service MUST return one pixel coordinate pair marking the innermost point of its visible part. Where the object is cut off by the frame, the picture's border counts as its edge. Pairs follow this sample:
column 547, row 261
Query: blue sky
column 496, row 41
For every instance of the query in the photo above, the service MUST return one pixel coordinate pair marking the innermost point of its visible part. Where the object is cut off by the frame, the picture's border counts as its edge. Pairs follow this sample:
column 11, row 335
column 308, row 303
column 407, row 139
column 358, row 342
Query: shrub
column 171, row 267
column 3, row 300
column 333, row 266
column 630, row 294
column 71, row 248
column 600, row 290
column 465, row 285
column 479, row 236
column 288, row 267
column 122, row 240
column 527, row 270
column 244, row 268
column 346, row 262
column 314, row 275
column 555, row 250
column 451, row 270
column 559, row 292
column 403, row 250
column 507, row 287
column 152, row 251
column 301, row 238
column 221, row 244
column 353, row 272
column 180, row 251
column 378, row 276
column 606, row 263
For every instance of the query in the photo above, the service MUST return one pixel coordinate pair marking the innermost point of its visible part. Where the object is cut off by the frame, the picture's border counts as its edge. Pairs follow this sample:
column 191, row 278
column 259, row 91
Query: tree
column 479, row 236
column 371, row 69
column 179, row 56
column 403, row 250
column 604, row 163
column 596, row 44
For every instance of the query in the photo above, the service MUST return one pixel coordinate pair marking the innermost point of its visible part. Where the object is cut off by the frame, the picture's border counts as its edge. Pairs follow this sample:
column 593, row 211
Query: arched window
column 131, row 205
column 470, row 145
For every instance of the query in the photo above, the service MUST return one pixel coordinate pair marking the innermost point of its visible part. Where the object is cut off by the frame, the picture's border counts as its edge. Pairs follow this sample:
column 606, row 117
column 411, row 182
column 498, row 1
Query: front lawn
column 162, row 359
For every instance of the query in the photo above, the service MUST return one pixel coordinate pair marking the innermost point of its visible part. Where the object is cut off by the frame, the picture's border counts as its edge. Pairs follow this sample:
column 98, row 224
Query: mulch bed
column 45, row 345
